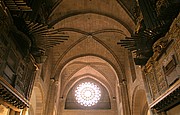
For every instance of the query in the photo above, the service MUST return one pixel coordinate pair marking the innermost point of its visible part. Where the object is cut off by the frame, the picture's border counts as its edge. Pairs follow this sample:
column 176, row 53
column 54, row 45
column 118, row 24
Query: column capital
column 56, row 82
column 123, row 82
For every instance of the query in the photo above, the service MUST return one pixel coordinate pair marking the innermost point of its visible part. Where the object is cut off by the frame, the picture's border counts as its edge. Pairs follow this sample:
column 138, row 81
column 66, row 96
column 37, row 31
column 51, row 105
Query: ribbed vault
column 91, row 67
column 88, row 68
column 93, row 27
column 112, row 9
column 91, row 52
column 91, row 46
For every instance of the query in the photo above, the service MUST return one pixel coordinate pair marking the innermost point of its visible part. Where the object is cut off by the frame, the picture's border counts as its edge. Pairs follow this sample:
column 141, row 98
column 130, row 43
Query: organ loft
column 89, row 57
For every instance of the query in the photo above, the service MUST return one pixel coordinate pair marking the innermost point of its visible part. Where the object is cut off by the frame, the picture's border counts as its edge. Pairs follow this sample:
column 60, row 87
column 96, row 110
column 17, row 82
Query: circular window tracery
column 87, row 94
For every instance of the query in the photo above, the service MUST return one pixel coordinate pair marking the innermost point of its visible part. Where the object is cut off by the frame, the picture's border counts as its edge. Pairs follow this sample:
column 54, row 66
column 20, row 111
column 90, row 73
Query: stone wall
column 90, row 112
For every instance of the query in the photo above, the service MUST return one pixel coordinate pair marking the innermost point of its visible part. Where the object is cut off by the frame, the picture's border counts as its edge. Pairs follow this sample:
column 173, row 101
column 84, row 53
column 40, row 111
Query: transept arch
column 87, row 67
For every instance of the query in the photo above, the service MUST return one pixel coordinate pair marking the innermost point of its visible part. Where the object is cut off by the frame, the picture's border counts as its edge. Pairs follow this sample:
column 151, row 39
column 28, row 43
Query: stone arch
column 86, row 40
column 107, row 56
column 105, row 102
column 95, row 72
column 139, row 101
column 89, row 67
column 36, row 107
column 75, row 81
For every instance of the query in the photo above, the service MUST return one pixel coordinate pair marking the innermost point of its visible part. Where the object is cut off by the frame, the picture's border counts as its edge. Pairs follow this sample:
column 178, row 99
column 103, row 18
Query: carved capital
column 52, row 80
column 56, row 83
column 123, row 82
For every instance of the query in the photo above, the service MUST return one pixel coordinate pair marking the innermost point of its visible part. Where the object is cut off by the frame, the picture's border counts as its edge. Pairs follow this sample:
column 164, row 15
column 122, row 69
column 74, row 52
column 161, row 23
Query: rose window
column 87, row 94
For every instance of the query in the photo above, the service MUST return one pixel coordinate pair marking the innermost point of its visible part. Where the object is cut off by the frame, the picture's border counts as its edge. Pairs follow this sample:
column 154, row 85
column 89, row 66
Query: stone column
column 125, row 98
column 56, row 96
column 118, row 100
column 52, row 97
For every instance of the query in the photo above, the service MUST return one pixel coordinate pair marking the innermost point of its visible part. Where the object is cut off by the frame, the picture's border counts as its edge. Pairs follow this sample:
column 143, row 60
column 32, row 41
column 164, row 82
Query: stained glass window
column 87, row 94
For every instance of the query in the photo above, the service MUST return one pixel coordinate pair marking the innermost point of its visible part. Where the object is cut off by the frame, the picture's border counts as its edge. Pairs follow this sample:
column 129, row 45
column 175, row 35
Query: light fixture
column 87, row 94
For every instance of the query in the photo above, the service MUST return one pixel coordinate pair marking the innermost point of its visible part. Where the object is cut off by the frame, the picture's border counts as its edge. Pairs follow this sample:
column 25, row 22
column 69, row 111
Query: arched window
column 87, row 94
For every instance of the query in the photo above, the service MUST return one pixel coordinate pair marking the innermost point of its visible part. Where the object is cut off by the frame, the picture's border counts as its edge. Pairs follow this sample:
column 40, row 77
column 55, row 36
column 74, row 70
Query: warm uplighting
column 87, row 94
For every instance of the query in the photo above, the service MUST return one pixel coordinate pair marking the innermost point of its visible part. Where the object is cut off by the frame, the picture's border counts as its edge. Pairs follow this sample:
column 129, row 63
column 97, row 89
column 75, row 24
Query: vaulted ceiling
column 94, row 27
column 91, row 52
column 80, row 39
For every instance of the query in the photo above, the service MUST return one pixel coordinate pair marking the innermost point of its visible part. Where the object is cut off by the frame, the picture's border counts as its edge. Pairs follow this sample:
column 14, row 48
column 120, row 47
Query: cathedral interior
column 89, row 57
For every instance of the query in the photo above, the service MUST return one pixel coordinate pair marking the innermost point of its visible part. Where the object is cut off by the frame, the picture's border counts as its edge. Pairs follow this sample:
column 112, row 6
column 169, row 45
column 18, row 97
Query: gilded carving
column 152, row 85
column 160, row 47
column 148, row 66
column 161, row 80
